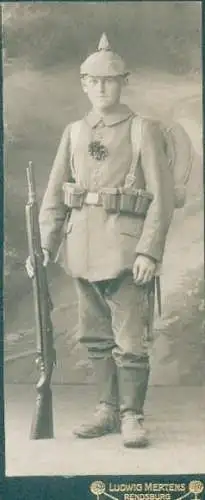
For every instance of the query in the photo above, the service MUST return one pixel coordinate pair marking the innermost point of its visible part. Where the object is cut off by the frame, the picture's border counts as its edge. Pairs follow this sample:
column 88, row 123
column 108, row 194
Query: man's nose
column 101, row 86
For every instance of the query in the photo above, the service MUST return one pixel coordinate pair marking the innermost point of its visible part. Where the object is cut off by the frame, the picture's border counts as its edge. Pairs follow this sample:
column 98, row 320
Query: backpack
column 177, row 147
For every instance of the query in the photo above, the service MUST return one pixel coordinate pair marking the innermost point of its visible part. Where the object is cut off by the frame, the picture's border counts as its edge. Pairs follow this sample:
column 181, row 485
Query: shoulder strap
column 136, row 138
column 74, row 133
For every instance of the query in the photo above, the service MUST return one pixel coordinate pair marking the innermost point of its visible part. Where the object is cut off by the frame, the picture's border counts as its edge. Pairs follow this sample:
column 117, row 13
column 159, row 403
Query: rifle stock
column 42, row 424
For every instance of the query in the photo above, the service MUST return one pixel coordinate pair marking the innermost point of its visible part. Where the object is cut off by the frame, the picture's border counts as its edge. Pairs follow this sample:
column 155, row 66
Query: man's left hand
column 143, row 269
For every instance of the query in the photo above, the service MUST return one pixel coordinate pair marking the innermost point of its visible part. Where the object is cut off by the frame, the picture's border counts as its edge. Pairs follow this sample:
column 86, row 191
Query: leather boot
column 106, row 417
column 133, row 383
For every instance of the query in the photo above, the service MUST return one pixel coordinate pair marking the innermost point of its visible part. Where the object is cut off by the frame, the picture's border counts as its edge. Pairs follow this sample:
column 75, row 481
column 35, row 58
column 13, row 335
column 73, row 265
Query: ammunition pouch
column 128, row 201
column 143, row 200
column 73, row 195
column 113, row 200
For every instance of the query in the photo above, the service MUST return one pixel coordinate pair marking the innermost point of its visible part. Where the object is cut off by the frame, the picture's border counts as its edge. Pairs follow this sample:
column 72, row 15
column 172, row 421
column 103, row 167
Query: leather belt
column 112, row 199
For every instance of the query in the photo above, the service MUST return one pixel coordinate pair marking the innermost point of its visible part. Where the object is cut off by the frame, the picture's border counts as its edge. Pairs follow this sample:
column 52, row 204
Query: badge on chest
column 98, row 150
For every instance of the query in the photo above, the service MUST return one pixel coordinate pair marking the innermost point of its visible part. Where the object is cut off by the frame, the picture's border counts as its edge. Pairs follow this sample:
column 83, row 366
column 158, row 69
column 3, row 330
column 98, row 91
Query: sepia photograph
column 104, row 321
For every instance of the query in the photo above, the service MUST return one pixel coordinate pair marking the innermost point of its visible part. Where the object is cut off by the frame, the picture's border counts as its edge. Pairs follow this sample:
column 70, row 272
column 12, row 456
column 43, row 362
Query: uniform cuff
column 148, row 256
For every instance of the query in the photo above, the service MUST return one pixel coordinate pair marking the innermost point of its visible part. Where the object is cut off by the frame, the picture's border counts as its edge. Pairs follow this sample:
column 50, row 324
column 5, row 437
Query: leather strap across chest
column 136, row 138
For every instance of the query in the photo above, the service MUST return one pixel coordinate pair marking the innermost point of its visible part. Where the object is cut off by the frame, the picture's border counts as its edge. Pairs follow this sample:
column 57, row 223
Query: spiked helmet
column 103, row 62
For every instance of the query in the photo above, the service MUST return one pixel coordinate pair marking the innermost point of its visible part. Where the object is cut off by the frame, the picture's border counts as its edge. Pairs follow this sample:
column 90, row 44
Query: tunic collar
column 123, row 112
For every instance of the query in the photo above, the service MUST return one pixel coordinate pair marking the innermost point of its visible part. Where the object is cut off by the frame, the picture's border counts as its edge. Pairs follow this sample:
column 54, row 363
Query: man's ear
column 84, row 84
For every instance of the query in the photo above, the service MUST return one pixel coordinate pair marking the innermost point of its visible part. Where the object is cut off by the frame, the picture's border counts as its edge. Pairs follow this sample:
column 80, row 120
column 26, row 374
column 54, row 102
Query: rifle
column 42, row 424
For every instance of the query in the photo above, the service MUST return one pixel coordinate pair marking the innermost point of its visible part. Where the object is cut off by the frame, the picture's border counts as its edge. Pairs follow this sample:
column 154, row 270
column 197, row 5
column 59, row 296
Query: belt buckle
column 92, row 198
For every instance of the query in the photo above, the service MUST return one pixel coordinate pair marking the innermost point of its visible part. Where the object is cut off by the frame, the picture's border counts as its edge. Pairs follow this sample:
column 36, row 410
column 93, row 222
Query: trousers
column 113, row 319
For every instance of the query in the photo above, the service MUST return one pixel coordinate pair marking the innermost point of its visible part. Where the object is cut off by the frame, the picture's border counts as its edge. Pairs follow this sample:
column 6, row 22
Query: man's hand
column 143, row 269
column 29, row 266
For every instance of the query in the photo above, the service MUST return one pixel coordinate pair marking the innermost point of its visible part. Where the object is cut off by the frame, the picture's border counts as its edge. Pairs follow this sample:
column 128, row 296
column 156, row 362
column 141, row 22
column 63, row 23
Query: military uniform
column 98, row 248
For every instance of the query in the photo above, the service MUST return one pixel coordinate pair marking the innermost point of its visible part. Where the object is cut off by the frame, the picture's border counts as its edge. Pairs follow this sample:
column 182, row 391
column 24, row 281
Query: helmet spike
column 104, row 43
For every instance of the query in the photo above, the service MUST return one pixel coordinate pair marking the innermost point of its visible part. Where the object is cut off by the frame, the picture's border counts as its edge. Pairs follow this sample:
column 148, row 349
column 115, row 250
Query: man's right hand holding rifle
column 30, row 267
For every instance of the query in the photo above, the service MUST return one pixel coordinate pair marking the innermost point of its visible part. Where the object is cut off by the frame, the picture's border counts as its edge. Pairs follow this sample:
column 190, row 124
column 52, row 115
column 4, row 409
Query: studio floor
column 175, row 417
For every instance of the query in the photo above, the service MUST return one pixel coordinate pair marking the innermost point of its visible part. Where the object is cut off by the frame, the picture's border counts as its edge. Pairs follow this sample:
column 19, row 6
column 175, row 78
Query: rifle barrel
column 31, row 183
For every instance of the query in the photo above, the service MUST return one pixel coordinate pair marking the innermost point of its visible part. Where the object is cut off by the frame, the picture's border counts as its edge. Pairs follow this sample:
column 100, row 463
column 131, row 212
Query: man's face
column 103, row 92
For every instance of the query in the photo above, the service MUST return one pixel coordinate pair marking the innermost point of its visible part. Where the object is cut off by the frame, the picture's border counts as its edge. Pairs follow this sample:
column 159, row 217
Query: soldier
column 115, row 215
